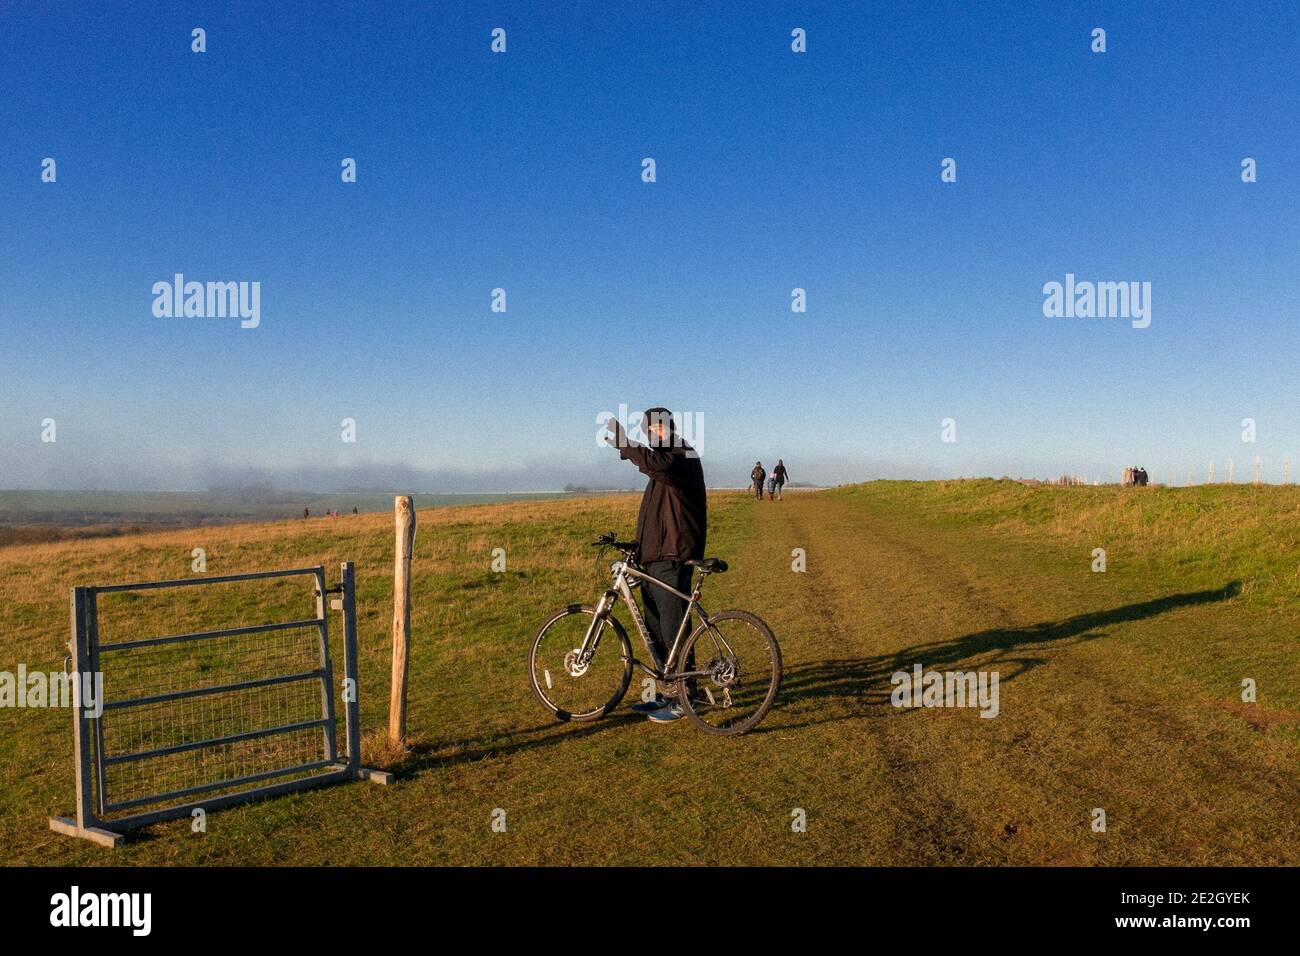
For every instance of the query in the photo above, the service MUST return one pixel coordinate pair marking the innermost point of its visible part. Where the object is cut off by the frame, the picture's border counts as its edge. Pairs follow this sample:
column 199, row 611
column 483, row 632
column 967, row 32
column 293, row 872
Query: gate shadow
column 425, row 755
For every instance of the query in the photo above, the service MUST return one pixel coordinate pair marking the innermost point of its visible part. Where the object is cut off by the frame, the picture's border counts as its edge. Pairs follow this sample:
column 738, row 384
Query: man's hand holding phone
column 616, row 438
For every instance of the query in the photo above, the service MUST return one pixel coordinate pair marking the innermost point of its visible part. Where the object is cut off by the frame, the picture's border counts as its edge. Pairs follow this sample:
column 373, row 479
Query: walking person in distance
column 779, row 476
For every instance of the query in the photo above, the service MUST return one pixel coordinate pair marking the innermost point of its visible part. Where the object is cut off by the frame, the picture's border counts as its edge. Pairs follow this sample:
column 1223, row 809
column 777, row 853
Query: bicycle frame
column 622, row 588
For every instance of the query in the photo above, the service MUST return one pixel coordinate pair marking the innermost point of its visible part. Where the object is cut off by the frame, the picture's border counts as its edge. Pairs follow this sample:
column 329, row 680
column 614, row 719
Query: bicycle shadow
column 866, row 683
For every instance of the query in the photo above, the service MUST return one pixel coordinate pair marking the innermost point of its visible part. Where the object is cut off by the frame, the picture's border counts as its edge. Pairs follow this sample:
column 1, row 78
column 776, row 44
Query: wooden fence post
column 404, row 511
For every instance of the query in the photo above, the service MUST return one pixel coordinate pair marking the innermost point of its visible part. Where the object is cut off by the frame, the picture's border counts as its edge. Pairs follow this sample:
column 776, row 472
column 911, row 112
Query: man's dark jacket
column 673, row 520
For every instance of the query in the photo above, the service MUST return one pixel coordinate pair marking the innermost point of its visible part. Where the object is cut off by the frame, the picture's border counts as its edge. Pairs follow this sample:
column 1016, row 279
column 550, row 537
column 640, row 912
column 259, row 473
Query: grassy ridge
column 1119, row 690
column 1209, row 531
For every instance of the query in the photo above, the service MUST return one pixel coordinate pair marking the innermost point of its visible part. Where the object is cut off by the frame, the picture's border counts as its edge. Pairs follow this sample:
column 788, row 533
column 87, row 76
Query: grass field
column 1119, row 690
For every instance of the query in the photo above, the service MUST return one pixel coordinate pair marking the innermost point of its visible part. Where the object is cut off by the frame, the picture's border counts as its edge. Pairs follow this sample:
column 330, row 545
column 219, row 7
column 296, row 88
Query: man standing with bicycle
column 670, row 530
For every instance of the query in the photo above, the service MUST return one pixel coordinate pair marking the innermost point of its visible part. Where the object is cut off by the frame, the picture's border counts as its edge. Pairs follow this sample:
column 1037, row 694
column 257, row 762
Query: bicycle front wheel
column 737, row 664
column 567, row 688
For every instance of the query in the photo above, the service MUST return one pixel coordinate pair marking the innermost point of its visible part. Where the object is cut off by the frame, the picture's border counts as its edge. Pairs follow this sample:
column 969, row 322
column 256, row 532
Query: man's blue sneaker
column 646, row 706
column 666, row 715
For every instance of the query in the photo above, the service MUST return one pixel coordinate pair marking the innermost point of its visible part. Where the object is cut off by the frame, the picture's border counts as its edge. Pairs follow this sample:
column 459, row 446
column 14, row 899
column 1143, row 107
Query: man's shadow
column 1009, row 651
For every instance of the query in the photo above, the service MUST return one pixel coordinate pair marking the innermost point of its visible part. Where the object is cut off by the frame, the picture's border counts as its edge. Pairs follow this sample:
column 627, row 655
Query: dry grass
column 1119, row 690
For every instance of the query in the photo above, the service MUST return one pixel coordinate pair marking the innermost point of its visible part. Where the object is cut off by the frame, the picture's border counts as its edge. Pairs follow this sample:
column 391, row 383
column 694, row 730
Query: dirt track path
column 1084, row 722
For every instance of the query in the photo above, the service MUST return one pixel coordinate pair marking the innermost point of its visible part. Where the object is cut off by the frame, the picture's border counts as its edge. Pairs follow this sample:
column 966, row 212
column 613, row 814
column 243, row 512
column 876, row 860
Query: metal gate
column 209, row 718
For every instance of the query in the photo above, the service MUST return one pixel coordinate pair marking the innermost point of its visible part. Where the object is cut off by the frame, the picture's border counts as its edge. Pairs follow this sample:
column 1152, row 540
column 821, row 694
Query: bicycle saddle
column 709, row 565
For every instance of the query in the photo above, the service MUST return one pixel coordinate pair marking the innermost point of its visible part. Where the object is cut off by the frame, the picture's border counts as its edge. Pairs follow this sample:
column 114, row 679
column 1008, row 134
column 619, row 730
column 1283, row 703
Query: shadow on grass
column 425, row 755
column 866, row 682
column 862, row 682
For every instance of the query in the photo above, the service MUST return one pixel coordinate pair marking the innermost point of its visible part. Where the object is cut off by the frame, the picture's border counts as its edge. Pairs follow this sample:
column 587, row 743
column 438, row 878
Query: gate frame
column 83, row 648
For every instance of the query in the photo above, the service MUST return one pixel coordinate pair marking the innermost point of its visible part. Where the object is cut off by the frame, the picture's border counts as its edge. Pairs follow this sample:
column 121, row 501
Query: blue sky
column 522, row 170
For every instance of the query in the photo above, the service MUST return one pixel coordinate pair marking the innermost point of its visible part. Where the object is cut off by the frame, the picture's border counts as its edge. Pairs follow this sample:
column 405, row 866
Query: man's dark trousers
column 664, row 611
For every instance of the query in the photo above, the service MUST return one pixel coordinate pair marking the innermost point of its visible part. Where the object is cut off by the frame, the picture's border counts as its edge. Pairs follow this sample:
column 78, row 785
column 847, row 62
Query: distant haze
column 101, row 474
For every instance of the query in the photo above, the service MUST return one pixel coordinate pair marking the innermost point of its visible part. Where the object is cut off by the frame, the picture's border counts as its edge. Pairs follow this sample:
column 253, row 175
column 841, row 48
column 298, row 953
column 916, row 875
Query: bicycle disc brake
column 571, row 665
column 723, row 671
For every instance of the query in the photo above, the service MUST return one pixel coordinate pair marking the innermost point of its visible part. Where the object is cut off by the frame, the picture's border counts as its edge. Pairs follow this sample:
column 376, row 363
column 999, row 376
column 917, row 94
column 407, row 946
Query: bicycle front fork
column 592, row 638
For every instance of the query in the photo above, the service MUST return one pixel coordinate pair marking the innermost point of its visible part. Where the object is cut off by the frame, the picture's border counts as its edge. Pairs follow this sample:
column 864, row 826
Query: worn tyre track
column 1079, row 727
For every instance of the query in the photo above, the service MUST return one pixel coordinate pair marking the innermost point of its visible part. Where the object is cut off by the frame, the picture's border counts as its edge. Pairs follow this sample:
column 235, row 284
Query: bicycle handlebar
column 609, row 540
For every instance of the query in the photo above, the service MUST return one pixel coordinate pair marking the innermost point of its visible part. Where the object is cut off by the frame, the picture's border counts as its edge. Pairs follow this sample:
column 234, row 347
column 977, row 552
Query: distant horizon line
column 583, row 490
column 379, row 491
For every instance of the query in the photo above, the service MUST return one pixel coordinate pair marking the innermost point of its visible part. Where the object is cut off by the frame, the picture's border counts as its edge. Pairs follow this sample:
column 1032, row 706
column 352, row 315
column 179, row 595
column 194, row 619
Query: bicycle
column 729, row 694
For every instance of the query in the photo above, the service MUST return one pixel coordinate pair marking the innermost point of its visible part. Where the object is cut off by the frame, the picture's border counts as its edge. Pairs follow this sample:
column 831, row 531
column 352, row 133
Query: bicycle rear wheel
column 740, row 663
column 570, row 691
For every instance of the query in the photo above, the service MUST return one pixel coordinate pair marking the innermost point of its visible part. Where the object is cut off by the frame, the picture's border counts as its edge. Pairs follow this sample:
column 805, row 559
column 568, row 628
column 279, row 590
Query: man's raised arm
column 651, row 462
